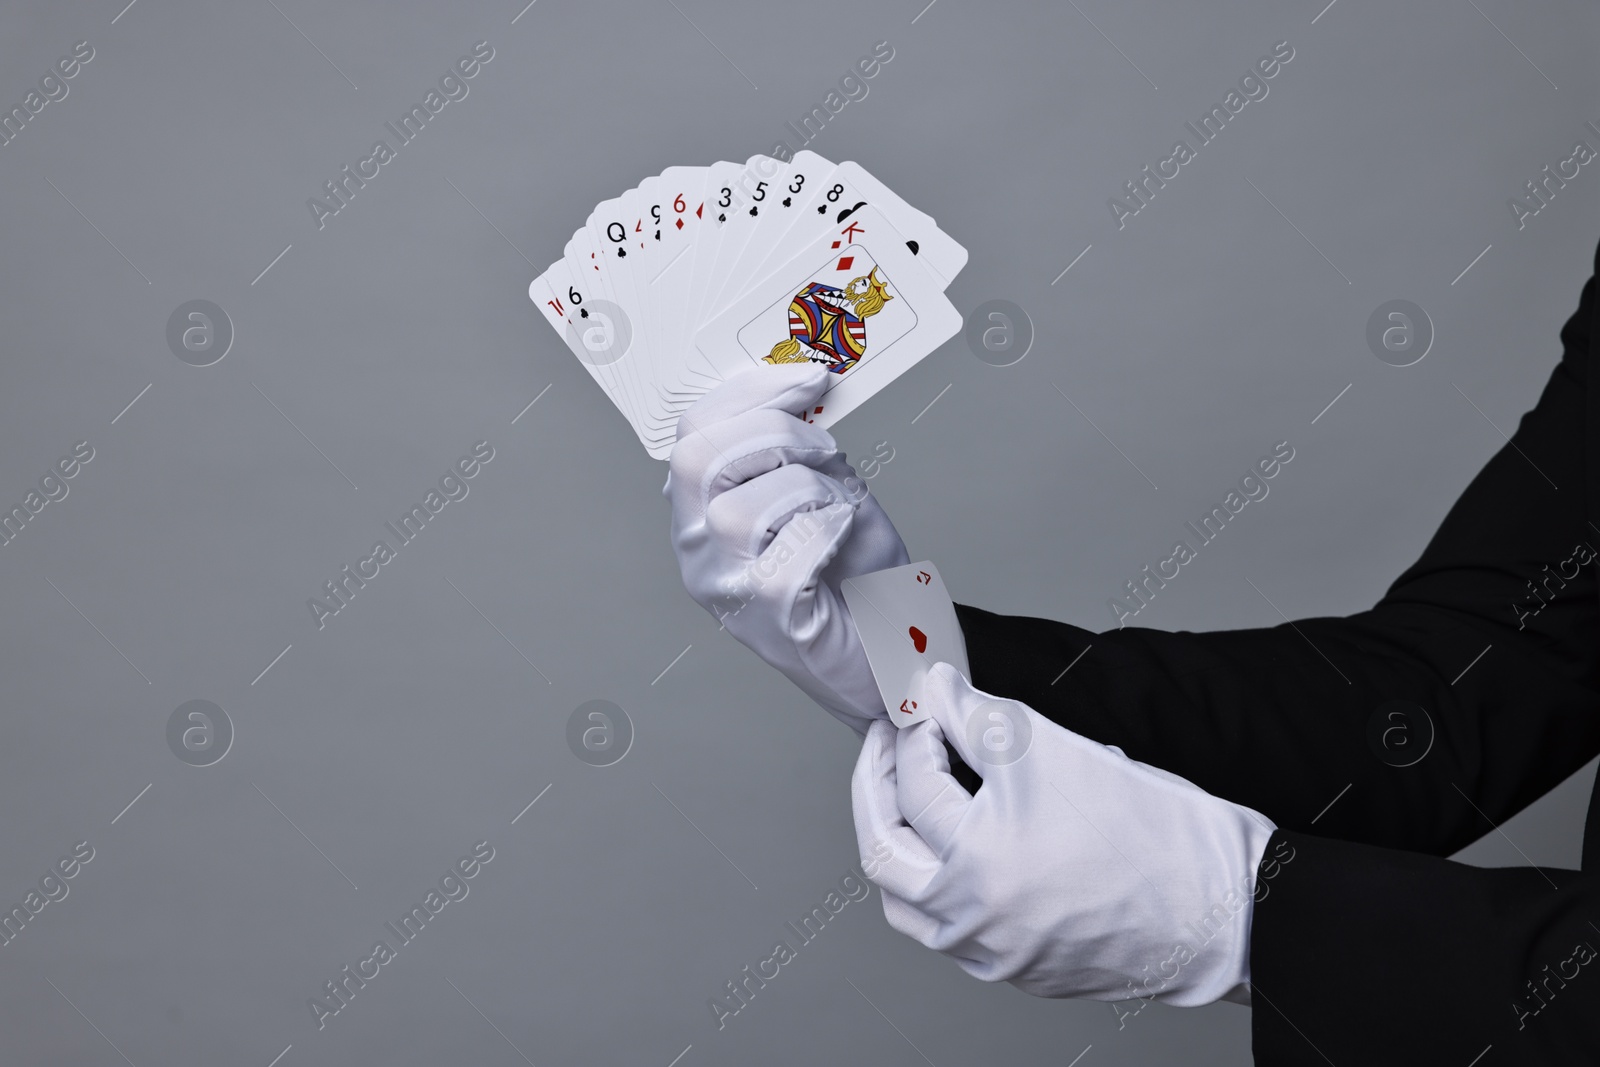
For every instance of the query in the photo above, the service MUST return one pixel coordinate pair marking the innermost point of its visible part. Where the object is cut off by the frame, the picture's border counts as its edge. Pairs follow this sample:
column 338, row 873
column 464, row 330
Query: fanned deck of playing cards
column 702, row 272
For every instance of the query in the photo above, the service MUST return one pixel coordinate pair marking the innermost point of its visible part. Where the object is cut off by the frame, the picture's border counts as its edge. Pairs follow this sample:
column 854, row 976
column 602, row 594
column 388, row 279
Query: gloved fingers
column 746, row 517
column 850, row 719
column 987, row 732
column 741, row 448
column 874, row 544
column 785, row 387
column 786, row 580
column 826, row 641
column 909, row 920
column 893, row 856
column 930, row 933
column 929, row 796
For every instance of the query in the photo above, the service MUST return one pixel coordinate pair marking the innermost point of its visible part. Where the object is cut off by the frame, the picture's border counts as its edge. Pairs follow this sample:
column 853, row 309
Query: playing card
column 681, row 212
column 590, row 309
column 943, row 255
column 718, row 198
column 907, row 623
column 558, row 296
column 682, row 191
column 626, row 346
column 858, row 302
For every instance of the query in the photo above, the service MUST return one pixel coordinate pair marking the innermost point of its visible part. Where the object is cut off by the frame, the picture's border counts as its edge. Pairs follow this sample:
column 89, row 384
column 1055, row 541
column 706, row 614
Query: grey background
column 1195, row 338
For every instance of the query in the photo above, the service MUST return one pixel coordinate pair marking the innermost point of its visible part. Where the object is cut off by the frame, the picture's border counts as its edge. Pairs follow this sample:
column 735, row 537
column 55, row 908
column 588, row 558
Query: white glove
column 1073, row 872
column 767, row 520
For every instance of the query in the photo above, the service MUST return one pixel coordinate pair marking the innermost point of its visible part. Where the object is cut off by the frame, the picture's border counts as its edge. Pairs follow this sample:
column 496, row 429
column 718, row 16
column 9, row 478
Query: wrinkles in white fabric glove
column 767, row 520
column 1074, row 871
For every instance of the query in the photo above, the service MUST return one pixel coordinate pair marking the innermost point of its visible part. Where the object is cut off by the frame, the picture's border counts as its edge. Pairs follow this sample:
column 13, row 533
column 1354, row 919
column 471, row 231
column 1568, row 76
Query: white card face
column 553, row 292
column 779, row 201
column 642, row 246
column 708, row 241
column 907, row 623
column 591, row 258
column 643, row 263
column 857, row 302
column 587, row 288
column 681, row 211
column 645, row 232
column 682, row 218
column 741, row 214
column 580, row 299
column 616, row 230
column 591, row 276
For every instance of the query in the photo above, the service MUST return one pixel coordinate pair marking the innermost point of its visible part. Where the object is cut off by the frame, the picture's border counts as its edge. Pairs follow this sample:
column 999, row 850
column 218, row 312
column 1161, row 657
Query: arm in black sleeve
column 1361, row 953
column 1278, row 719
column 1366, row 955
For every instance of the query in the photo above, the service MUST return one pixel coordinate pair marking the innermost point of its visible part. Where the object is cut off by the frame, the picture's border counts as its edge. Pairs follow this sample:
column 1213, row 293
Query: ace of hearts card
column 907, row 623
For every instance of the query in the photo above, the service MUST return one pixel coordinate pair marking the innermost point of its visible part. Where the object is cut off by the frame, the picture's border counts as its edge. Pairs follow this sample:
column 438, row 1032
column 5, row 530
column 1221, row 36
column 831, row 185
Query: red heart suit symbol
column 919, row 639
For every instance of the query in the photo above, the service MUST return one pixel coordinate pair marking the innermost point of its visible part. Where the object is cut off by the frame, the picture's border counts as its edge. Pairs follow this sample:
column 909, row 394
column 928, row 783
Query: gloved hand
column 767, row 520
column 1073, row 872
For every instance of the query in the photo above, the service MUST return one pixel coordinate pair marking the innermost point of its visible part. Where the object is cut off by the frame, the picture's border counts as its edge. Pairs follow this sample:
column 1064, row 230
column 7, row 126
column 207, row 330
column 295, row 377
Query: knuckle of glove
column 717, row 457
column 903, row 920
column 746, row 521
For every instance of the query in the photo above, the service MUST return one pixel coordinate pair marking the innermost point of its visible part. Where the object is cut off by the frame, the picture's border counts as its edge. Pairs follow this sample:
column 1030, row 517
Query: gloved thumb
column 988, row 732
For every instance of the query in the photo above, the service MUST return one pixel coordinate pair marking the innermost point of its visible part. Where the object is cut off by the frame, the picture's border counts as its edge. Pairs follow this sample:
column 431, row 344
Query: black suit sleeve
column 1372, row 956
column 1361, row 952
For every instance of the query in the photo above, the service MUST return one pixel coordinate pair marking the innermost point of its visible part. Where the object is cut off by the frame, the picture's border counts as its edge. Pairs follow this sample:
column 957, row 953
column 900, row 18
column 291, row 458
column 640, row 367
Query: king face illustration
column 828, row 325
